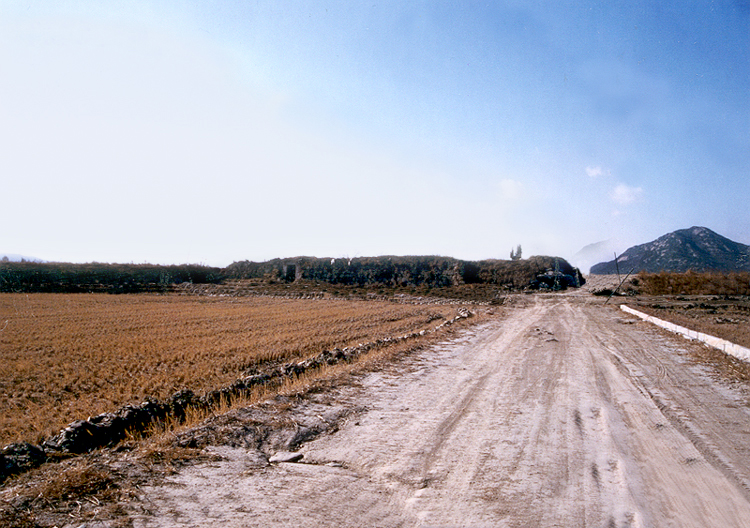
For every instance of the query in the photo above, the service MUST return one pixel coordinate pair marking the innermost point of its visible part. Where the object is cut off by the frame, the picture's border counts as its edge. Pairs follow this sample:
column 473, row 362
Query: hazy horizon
column 595, row 253
column 192, row 132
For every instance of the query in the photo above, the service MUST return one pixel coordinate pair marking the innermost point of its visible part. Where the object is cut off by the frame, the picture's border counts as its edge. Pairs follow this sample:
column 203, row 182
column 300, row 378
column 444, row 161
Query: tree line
column 55, row 277
column 396, row 271
column 386, row 271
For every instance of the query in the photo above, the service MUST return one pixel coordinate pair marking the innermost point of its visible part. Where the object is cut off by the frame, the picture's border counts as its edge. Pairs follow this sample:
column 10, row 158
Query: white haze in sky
column 204, row 132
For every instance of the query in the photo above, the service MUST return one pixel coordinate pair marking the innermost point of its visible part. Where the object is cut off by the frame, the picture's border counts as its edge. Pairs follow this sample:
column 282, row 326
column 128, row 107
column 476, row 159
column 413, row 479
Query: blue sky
column 211, row 132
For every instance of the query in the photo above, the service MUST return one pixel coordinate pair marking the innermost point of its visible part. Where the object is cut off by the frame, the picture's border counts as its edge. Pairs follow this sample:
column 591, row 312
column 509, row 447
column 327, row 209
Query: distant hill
column 11, row 257
column 697, row 249
column 593, row 253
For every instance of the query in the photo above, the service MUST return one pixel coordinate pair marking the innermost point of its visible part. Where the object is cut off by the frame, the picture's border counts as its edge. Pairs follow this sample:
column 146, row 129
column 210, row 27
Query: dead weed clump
column 82, row 491
column 101, row 486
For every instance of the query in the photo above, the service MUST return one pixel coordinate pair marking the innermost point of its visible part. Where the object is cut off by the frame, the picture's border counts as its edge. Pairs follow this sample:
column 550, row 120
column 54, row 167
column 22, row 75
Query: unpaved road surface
column 559, row 413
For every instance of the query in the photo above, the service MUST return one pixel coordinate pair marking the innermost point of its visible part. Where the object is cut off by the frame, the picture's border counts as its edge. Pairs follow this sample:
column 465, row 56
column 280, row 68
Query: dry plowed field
column 563, row 413
column 557, row 410
column 69, row 356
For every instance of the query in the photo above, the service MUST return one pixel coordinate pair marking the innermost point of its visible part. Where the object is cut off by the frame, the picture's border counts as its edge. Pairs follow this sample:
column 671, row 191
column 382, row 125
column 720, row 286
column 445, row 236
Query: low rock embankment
column 82, row 436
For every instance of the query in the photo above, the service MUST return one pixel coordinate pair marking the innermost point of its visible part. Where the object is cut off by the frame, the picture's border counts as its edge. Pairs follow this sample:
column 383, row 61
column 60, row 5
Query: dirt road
column 561, row 413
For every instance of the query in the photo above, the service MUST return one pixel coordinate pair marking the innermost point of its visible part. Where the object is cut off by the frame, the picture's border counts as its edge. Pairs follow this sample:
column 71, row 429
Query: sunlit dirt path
column 562, row 413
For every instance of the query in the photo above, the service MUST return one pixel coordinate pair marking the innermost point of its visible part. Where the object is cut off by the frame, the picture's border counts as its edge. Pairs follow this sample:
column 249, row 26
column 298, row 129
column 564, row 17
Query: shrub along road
column 564, row 412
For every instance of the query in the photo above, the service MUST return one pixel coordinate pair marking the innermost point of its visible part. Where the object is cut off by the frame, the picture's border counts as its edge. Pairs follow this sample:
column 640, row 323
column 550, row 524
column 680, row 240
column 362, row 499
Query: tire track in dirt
column 556, row 415
column 687, row 401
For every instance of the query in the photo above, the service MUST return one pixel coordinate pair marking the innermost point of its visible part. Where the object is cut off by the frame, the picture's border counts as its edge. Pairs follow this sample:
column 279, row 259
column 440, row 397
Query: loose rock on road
column 560, row 413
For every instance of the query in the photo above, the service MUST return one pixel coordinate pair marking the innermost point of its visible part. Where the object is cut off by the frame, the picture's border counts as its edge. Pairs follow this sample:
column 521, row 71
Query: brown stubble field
column 69, row 356
column 717, row 304
column 727, row 317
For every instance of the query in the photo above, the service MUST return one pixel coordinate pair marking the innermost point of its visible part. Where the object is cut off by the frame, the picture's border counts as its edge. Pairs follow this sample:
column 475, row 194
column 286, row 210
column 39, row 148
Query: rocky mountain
column 697, row 249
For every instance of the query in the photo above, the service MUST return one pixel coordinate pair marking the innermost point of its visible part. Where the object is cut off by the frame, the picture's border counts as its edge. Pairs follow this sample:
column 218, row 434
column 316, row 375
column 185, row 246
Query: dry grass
column 69, row 356
column 468, row 293
column 74, row 491
column 713, row 303
column 692, row 283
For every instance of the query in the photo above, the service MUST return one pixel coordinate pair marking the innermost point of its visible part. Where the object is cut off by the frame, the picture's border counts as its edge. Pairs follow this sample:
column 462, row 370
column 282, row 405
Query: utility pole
column 617, row 267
